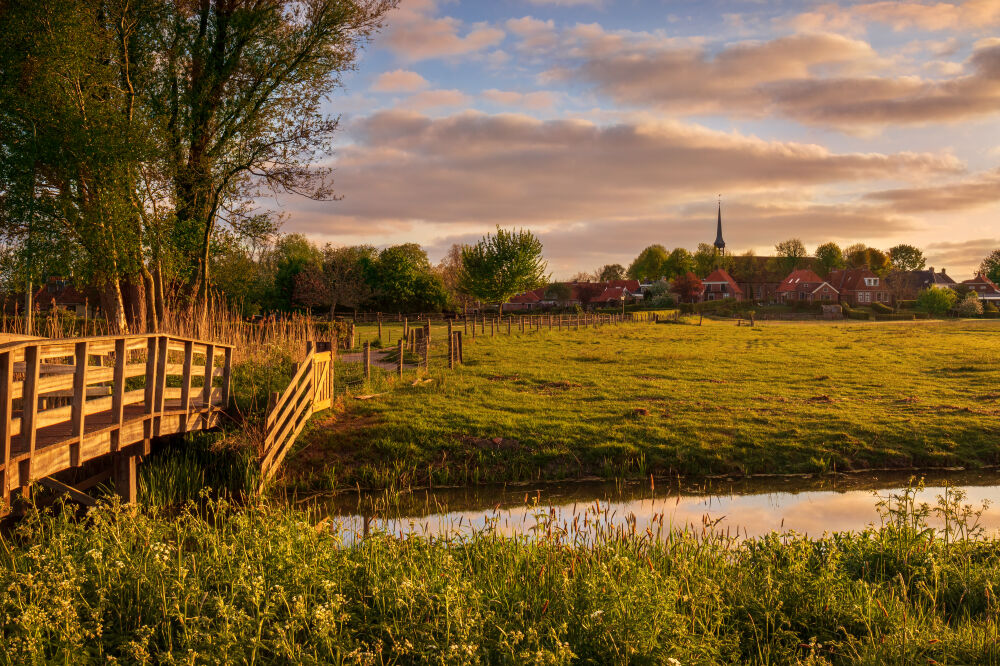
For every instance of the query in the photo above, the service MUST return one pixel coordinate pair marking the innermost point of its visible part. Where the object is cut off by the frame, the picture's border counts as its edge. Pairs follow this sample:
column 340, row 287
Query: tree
column 502, row 265
column 239, row 90
column 559, row 292
column 791, row 252
column 706, row 259
column 990, row 267
column 687, row 287
column 292, row 255
column 969, row 306
column 678, row 263
column 936, row 301
column 338, row 280
column 861, row 256
column 402, row 280
column 830, row 257
column 450, row 271
column 611, row 272
column 906, row 258
column 649, row 264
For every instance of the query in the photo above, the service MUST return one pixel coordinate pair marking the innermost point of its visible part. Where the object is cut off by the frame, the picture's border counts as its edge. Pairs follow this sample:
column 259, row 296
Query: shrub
column 989, row 308
column 858, row 314
column 881, row 308
column 936, row 301
column 906, row 305
column 969, row 306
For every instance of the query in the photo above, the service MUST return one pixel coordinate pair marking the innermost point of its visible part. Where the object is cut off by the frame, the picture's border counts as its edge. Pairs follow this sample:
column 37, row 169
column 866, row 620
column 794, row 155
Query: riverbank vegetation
column 646, row 399
column 264, row 584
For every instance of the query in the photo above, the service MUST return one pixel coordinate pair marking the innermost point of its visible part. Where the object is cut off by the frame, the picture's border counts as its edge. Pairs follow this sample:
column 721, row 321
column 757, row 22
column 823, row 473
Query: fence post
column 380, row 326
column 400, row 358
column 461, row 349
column 508, row 324
column 368, row 359
column 492, row 326
column 451, row 347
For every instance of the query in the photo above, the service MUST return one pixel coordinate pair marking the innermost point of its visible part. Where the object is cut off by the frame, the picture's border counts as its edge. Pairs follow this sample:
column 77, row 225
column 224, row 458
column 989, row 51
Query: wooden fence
column 67, row 402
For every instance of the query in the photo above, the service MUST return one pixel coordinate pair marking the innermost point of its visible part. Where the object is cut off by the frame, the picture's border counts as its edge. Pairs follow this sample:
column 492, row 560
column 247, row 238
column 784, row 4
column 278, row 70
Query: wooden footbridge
column 84, row 409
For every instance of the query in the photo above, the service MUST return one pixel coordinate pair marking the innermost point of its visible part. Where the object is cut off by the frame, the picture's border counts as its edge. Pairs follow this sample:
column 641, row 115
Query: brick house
column 985, row 288
column 720, row 285
column 907, row 285
column 803, row 285
column 64, row 295
column 576, row 293
column 859, row 286
column 759, row 277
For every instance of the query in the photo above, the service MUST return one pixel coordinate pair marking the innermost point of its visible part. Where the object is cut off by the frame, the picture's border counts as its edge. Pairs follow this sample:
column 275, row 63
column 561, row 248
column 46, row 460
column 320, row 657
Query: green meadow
column 666, row 399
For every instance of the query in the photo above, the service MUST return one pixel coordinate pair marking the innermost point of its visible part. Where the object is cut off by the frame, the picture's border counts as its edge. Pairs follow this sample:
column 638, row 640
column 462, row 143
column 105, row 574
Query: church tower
column 720, row 244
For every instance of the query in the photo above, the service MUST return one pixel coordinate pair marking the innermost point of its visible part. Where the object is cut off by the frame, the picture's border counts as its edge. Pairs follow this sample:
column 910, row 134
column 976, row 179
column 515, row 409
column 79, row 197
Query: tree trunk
column 29, row 307
column 115, row 307
column 149, row 289
column 158, row 296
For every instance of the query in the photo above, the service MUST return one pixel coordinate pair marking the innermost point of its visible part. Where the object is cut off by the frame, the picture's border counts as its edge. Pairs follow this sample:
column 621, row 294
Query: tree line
column 656, row 262
column 136, row 137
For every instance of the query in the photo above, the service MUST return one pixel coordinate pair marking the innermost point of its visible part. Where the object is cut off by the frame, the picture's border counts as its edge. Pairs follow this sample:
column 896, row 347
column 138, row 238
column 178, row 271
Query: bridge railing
column 65, row 402
column 309, row 391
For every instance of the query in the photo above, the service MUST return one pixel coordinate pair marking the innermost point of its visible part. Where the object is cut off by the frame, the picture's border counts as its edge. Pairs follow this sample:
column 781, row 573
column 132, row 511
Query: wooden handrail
column 64, row 402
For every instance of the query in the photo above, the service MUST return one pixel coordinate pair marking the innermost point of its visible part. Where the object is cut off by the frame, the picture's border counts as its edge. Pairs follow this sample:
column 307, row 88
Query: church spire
column 720, row 244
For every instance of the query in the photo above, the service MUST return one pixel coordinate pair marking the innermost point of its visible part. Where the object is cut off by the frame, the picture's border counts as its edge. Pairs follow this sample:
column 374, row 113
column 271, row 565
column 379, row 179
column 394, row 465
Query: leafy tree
column 558, row 291
column 584, row 276
column 658, row 295
column 402, row 280
column 239, row 91
column 791, row 253
column 610, row 272
column 502, row 265
column 292, row 255
column 687, row 287
column 678, row 263
column 970, row 306
column 936, row 301
column 861, row 256
column 706, row 259
column 450, row 271
column 990, row 267
column 830, row 257
column 649, row 264
column 338, row 280
column 906, row 258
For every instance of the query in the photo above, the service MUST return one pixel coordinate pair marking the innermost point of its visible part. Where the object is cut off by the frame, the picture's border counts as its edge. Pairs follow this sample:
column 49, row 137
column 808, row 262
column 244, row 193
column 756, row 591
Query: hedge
column 881, row 308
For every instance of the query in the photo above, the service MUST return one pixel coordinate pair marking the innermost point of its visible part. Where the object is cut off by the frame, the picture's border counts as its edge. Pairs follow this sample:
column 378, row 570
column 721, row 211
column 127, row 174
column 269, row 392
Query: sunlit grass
column 667, row 399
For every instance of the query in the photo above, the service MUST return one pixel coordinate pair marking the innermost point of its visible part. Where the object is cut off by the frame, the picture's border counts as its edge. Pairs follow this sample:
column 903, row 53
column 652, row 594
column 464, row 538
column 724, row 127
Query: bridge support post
column 125, row 477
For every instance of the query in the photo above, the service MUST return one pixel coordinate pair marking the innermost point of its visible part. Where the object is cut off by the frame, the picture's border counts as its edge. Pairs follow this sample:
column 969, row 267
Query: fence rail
column 66, row 402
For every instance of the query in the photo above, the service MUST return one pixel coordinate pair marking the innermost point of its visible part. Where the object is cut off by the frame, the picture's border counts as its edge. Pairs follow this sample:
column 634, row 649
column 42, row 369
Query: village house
column 720, row 285
column 985, row 288
column 907, row 285
column 859, row 286
column 60, row 293
column 803, row 285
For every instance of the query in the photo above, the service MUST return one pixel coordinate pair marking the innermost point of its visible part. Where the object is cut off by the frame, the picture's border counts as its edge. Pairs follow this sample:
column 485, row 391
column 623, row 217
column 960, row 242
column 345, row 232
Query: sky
column 605, row 126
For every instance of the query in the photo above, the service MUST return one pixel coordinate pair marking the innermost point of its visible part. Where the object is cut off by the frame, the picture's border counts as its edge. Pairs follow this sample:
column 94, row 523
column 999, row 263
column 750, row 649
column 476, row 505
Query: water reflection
column 744, row 508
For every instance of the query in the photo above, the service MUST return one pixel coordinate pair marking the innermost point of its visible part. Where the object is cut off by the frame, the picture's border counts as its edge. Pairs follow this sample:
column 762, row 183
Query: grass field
column 645, row 399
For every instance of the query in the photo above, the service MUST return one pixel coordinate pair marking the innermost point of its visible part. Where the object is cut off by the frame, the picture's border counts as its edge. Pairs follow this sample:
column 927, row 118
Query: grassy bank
column 665, row 399
column 264, row 585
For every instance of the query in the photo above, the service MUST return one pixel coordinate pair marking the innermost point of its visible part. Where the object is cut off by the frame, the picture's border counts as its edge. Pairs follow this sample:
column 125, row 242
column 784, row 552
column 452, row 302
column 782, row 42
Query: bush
column 989, row 308
column 906, row 305
column 858, row 314
column 936, row 301
column 969, row 307
column 881, row 308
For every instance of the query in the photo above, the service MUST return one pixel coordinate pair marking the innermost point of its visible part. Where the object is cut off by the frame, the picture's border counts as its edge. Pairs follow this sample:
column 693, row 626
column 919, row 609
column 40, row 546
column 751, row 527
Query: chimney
column 932, row 270
column 944, row 272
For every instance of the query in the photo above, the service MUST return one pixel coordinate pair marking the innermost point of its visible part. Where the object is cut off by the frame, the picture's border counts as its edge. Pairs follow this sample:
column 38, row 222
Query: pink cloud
column 540, row 99
column 399, row 80
column 928, row 16
column 415, row 33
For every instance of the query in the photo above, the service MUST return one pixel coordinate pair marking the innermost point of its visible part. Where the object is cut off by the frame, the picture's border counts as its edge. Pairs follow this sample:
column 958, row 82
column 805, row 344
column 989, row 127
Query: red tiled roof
column 526, row 297
column 802, row 280
column 631, row 285
column 982, row 279
column 611, row 294
column 720, row 275
column 852, row 279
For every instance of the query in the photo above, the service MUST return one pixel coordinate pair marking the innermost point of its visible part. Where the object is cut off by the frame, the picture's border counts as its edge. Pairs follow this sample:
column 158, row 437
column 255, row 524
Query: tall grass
column 265, row 585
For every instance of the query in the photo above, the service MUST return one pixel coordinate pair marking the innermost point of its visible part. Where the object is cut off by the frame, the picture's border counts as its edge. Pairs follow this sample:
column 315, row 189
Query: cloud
column 818, row 79
column 430, row 99
column 982, row 190
column 399, row 80
column 899, row 16
column 537, row 100
column 569, row 3
column 962, row 253
column 415, row 33
column 476, row 169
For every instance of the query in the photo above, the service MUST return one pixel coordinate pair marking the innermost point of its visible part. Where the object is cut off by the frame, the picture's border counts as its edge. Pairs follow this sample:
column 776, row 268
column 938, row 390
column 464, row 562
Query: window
column 864, row 297
column 871, row 282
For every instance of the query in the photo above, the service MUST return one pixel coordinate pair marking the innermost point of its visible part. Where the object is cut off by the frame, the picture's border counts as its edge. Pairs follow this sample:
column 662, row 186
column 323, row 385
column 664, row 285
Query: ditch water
column 744, row 508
